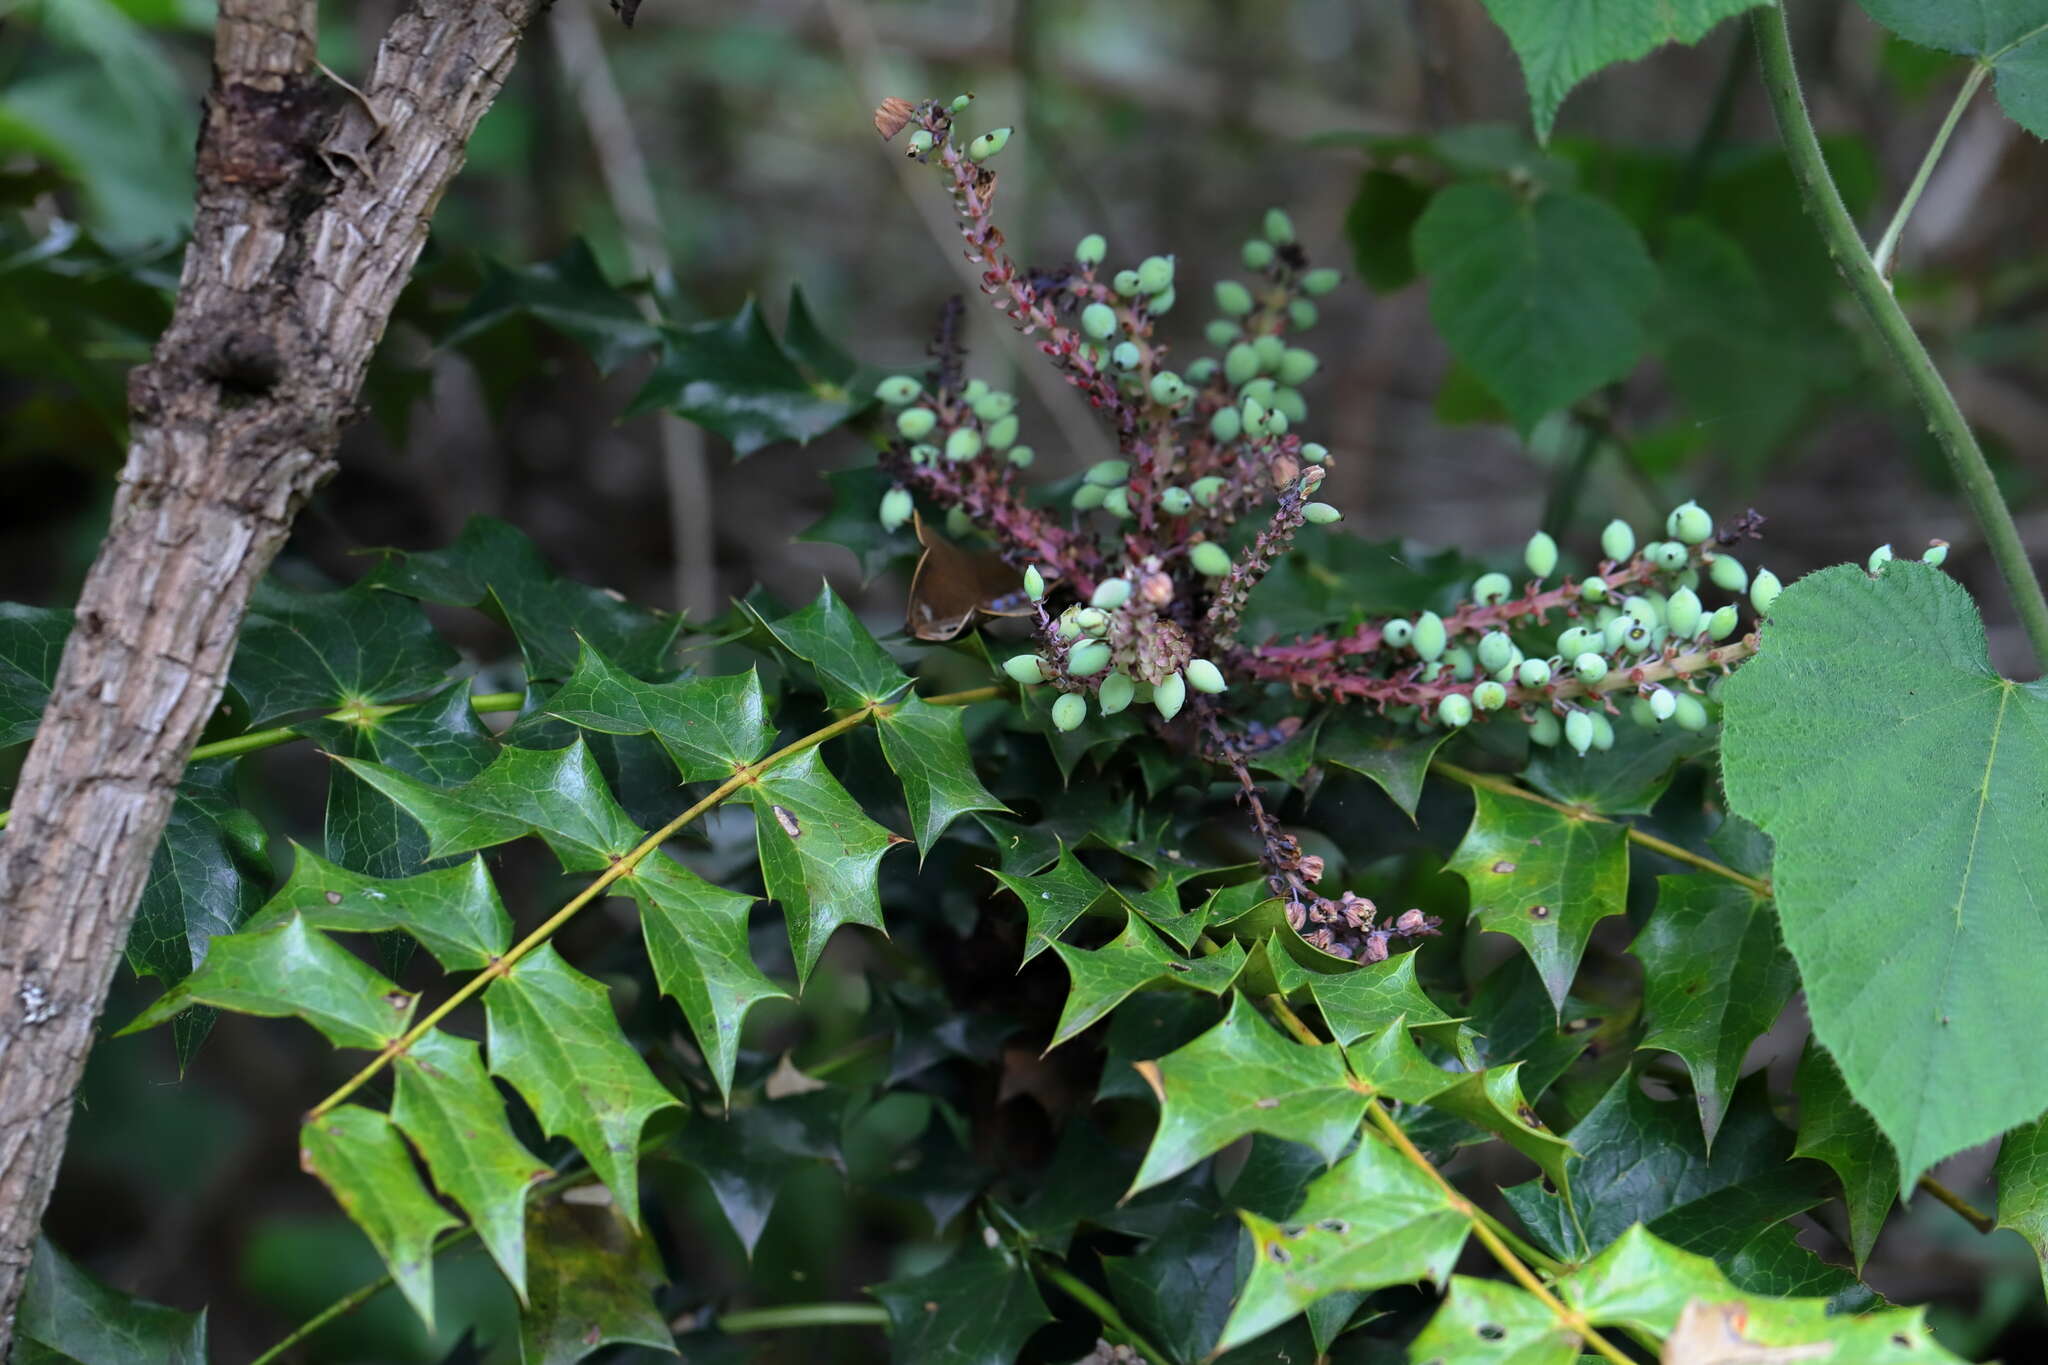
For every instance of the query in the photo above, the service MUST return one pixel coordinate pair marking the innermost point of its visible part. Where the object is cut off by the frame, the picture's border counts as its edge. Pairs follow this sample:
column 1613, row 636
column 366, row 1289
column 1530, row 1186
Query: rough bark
column 313, row 204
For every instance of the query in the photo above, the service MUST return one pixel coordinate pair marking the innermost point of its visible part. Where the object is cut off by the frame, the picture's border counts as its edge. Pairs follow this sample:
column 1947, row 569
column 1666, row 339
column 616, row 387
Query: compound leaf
column 854, row 670
column 591, row 1284
column 359, row 1156
column 711, row 727
column 1356, row 1003
column 1053, row 899
column 454, row 912
column 325, row 651
column 819, row 853
column 731, row 376
column 926, row 745
column 569, row 294
column 31, row 643
column 979, row 1308
column 80, row 1321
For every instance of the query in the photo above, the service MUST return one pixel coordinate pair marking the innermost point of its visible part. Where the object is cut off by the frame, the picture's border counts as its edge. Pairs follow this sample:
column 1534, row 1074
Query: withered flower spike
column 890, row 116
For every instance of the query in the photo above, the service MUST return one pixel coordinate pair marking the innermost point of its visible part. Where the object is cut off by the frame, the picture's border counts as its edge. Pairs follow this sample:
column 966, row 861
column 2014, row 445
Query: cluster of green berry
column 1107, row 645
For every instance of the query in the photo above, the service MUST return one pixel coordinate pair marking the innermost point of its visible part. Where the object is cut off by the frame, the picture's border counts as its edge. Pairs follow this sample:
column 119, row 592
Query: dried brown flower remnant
column 890, row 116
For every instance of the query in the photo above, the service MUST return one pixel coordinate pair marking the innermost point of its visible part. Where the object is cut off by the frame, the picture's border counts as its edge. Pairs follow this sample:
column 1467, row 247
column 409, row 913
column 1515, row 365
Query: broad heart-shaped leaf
column 454, row 912
column 445, row 1102
column 2022, row 1173
column 569, row 294
column 1903, row 782
column 554, row 1037
column 1544, row 878
column 697, row 940
column 711, row 727
column 852, row 668
column 497, row 568
column 1488, row 1322
column 2009, row 36
column 1242, row 1077
column 1103, row 978
column 819, row 853
column 926, row 745
column 1398, row 762
column 851, row 524
column 287, row 968
column 359, row 1156
column 79, row 1321
column 979, row 1308
column 325, row 651
column 1714, row 978
column 746, row 1155
column 1374, row 1220
column 1833, row 1129
column 1562, row 44
column 31, row 642
column 733, row 377
column 591, row 1284
column 1053, row 899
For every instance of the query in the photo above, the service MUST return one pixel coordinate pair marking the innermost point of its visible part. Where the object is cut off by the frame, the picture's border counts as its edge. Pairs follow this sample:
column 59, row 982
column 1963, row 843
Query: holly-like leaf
column 1544, row 878
column 1397, row 761
column 1714, row 979
column 79, row 1321
column 2022, row 1174
column 1902, row 781
column 1492, row 1100
column 326, row 651
column 1833, row 1129
column 1542, row 294
column 1242, row 1077
column 1487, row 1322
column 1561, row 45
column 31, row 643
column 1624, row 780
column 569, row 294
column 979, row 1308
column 287, row 968
column 2008, row 36
column 852, row 524
column 938, row 1174
column 1374, row 1220
column 445, row 1102
column 711, row 727
column 733, row 377
column 1178, row 1289
column 1053, row 899
column 819, row 852
column 1356, row 1003
column 591, row 1284
column 454, row 912
column 853, row 669
column 746, row 1155
column 359, row 1156
column 926, row 745
column 554, row 1037
column 1103, row 978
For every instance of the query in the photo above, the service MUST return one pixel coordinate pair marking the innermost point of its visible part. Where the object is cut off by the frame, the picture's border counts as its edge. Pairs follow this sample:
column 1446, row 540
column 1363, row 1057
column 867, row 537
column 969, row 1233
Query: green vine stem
column 787, row 1315
column 1845, row 244
column 746, row 776
column 1078, row 1290
column 1888, row 245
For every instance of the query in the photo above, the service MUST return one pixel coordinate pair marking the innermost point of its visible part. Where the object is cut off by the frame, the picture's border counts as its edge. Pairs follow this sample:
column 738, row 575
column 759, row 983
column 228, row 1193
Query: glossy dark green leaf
column 711, row 727
column 1398, row 761
column 926, row 745
column 325, row 651
column 444, row 1101
column 940, row 1175
column 31, row 643
column 851, row 522
column 1388, row 1060
column 1146, row 1026
column 1242, row 1077
column 731, row 376
column 1053, row 900
column 75, row 1318
column 1178, row 1289
column 591, row 1284
column 1359, row 1002
column 979, row 1308
column 454, row 912
column 1624, row 780
column 554, row 1037
column 819, row 854
column 747, row 1154
column 1492, row 1100
column 1542, row 877
column 2009, row 36
column 1715, row 977
column 1374, row 1220
column 1103, row 978
column 1834, row 1129
column 1378, row 225
column 365, row 1165
column 1513, row 1020
column 569, row 294
column 853, row 669
column 805, row 340
column 1773, row 1262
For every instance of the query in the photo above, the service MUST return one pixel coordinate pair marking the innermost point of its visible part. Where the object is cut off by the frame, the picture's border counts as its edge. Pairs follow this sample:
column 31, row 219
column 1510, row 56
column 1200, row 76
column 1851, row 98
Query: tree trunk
column 313, row 203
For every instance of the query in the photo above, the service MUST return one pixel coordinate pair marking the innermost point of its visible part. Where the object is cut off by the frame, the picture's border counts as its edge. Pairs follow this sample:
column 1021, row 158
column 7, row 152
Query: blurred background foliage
column 716, row 153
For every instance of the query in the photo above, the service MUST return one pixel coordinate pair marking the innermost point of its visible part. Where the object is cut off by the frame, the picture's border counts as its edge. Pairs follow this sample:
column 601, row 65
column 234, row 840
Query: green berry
column 1615, row 631
column 1314, row 452
column 924, row 453
column 1320, row 513
column 1455, row 710
column 1115, row 693
column 1176, row 501
column 1257, row 254
column 916, row 423
column 1233, row 298
column 1204, row 676
column 1021, row 456
column 1125, row 282
column 1070, row 710
column 1728, row 574
column 1109, row 473
column 1489, row 696
column 1690, row 578
column 1398, row 632
column 1209, row 559
column 921, row 142
column 1302, row 314
column 1671, row 556
column 1162, row 302
column 1682, row 612
column 1099, row 321
column 1722, row 623
column 1090, row 250
column 1593, row 589
column 1027, row 669
column 988, row 144
column 1206, row 488
column 957, row 523
column 896, row 508
column 1533, row 673
column 1034, row 583
column 1297, row 365
column 1170, row 696
column 1254, row 414
column 1603, row 731
column 1088, row 497
column 1690, row 523
column 1068, row 627
column 1261, row 389
column 1126, row 355
column 976, row 390
column 1117, row 502
column 1270, row 351
column 1430, row 636
column 994, row 404
column 1663, row 702
column 1221, row 332
column 1168, row 388
column 961, row 102
column 1491, row 589
column 1879, row 557
column 1638, row 637
column 1226, row 425
column 1292, row 404
column 1590, row 667
column 1240, row 364
column 1002, row 433
column 1639, row 711
column 1690, row 712
column 1644, row 609
column 1278, row 227
column 1111, row 593
column 1540, row 554
column 1460, row 660
column 1155, row 274
column 1578, row 731
column 1544, row 728
column 898, row 389
column 1495, row 650
column 963, row 444
column 1088, row 659
column 1321, row 282
column 1763, row 590
column 1935, row 554
column 1618, row 540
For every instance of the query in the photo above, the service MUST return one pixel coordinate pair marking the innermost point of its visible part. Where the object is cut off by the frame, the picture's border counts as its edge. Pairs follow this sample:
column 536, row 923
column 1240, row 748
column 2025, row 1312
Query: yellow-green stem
column 787, row 1315
column 1079, row 1291
column 1888, row 245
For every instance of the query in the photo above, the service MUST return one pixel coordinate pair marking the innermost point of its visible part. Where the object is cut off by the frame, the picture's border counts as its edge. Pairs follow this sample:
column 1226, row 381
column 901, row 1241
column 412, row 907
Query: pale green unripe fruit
column 1302, row 314
column 1879, row 557
column 1206, row 488
column 1089, row 496
column 1117, row 502
column 1690, row 712
column 1176, row 501
column 1108, row 473
column 1459, row 660
column 1614, row 631
column 1722, row 623
column 987, row 145
column 1690, row 523
column 1603, row 731
column 1544, row 729
column 1221, row 332
column 1430, row 636
column 976, row 390
column 1092, row 620
column 961, row 102
column 1669, row 555
column 1209, row 559
column 1296, row 366
column 1639, row 712
column 1763, row 590
column 1455, row 710
column 1090, row 250
column 1593, row 589
column 898, row 389
column 1126, row 355
column 1638, row 637
column 1321, row 282
column 1663, row 702
column 916, row 423
column 921, row 142
column 1315, row 452
column 1125, row 282
column 993, row 404
column 1573, row 641
column 1293, row 404
column 1578, row 731
column 1590, row 667
column 1088, row 659
column 1025, row 668
column 1320, row 513
column 1254, row 414
column 1204, row 676
column 1099, row 321
column 925, row 453
column 1690, row 578
column 1495, row 650
column 1644, row 609
column 1070, row 710
column 957, row 522
column 1540, row 554
column 1240, row 364
column 1021, row 456
column 895, row 509
column 1489, row 696
column 963, row 444
column 1533, row 673
column 1233, row 298
column 1269, row 349
column 1398, row 633
column 1618, row 541
column 1226, row 425
column 1257, row 254
column 1115, row 693
column 1068, row 628
column 1936, row 553
column 1155, row 274
column 1111, row 593
column 1168, row 388
column 1278, row 227
column 1728, row 574
column 1002, row 433
column 1034, row 583
column 1491, row 589
column 1162, row 302
column 1170, row 696
column 1682, row 613
column 1261, row 389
